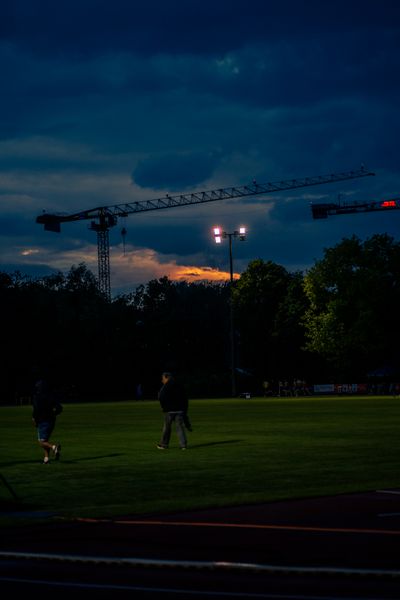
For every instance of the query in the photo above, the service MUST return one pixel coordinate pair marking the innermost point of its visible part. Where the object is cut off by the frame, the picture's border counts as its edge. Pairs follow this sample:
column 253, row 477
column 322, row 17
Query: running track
column 345, row 546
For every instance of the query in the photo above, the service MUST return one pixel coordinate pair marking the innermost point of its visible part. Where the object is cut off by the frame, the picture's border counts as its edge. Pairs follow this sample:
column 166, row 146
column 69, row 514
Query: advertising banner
column 340, row 388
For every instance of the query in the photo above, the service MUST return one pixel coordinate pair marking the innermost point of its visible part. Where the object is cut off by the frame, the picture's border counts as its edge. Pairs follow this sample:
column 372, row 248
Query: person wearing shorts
column 44, row 414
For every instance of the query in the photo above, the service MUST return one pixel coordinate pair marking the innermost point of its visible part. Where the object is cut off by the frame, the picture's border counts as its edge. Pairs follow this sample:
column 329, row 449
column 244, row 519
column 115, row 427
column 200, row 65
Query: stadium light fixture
column 219, row 235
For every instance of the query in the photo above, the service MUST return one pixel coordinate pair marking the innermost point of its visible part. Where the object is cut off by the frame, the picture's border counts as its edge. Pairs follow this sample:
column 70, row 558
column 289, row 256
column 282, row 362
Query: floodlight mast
column 219, row 235
column 105, row 217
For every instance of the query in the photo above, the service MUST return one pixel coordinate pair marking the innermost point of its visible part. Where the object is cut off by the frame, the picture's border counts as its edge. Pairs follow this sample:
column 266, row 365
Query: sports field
column 240, row 452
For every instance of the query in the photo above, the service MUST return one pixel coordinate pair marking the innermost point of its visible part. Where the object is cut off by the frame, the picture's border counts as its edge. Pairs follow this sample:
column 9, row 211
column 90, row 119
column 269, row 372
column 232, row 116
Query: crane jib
column 168, row 201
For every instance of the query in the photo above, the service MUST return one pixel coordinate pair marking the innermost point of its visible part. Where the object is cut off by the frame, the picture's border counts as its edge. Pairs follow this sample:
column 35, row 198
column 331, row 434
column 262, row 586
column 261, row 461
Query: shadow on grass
column 34, row 461
column 85, row 458
column 220, row 443
column 67, row 462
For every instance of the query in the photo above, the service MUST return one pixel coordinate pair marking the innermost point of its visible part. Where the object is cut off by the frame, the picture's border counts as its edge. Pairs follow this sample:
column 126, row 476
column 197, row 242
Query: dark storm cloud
column 174, row 172
column 265, row 61
column 267, row 71
column 93, row 26
column 49, row 164
column 158, row 233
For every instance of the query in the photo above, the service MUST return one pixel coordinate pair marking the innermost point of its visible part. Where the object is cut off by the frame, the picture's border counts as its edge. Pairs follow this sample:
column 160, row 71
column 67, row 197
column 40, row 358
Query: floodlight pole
column 241, row 234
column 231, row 320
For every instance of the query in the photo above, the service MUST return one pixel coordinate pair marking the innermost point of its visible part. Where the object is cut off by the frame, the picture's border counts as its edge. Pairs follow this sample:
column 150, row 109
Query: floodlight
column 217, row 235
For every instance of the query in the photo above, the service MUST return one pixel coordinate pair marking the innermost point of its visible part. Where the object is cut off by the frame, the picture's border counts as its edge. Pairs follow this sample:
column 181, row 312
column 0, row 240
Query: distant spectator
column 139, row 391
column 266, row 388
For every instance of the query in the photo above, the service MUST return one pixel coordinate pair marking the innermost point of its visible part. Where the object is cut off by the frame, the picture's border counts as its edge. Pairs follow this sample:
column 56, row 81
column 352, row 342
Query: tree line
column 336, row 322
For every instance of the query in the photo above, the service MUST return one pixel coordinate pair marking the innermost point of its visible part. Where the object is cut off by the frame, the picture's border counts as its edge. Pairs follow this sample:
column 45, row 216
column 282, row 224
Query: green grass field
column 241, row 451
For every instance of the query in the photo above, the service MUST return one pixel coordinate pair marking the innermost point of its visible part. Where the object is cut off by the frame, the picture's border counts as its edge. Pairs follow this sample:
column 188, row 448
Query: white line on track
column 200, row 565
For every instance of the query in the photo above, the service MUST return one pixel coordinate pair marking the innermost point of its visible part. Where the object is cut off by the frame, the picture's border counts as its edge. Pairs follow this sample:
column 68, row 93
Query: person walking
column 174, row 403
column 44, row 414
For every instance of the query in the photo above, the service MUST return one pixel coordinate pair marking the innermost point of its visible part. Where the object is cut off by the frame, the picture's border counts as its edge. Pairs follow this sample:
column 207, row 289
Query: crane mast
column 106, row 217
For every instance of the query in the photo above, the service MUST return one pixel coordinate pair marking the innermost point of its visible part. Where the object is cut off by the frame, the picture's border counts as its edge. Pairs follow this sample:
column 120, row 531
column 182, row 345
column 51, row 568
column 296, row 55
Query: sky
column 106, row 102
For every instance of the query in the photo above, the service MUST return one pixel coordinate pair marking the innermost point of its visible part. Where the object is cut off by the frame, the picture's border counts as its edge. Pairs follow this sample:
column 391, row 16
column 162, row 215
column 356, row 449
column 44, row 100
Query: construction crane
column 324, row 210
column 105, row 217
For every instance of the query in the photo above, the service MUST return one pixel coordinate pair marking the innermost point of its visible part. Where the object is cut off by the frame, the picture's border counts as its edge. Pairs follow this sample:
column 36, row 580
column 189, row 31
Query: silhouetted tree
column 269, row 304
column 354, row 293
column 184, row 328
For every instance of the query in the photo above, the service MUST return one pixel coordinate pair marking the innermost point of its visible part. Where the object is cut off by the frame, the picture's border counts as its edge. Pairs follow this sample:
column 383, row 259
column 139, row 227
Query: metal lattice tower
column 102, row 228
column 104, row 263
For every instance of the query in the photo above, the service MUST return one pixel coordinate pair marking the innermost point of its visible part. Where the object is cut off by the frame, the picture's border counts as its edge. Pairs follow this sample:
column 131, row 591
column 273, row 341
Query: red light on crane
column 388, row 204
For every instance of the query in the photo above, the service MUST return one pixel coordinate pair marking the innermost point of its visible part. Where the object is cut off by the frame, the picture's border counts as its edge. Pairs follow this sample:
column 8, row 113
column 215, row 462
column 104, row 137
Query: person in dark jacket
column 45, row 410
column 174, row 403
